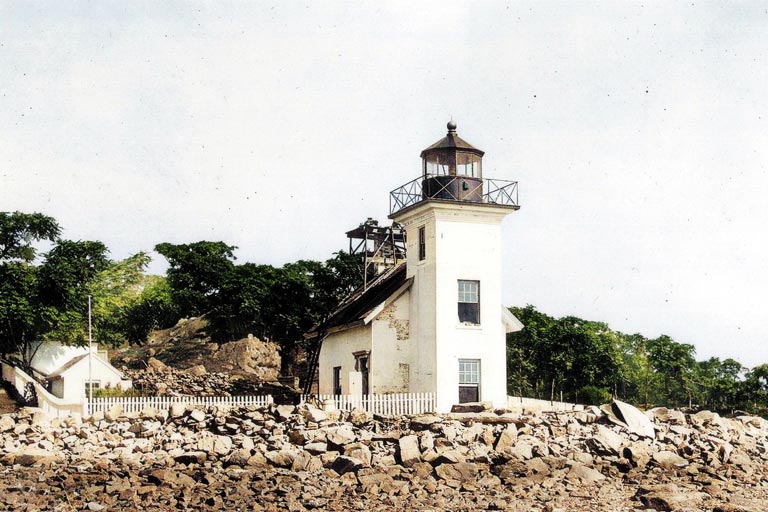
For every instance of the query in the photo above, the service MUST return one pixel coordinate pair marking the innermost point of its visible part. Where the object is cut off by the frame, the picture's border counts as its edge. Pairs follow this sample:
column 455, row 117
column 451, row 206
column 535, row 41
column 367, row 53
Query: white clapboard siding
column 132, row 404
column 390, row 404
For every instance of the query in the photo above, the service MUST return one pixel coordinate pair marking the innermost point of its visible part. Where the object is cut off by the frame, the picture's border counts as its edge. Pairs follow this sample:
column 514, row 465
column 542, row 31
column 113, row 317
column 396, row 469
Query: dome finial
column 451, row 126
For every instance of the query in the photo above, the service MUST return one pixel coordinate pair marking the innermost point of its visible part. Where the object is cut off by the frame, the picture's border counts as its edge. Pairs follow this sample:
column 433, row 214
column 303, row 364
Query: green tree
column 19, row 318
column 281, row 303
column 754, row 390
column 196, row 273
column 18, row 307
column 640, row 383
column 675, row 363
column 718, row 383
column 115, row 290
column 63, row 286
column 19, row 231
column 527, row 360
column 153, row 309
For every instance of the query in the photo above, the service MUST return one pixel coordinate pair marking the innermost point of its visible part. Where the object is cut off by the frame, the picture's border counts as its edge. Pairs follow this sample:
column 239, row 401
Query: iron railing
column 500, row 192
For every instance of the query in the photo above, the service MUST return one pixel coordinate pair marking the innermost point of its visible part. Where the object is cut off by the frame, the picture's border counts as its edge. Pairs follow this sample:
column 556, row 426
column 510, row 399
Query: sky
column 637, row 132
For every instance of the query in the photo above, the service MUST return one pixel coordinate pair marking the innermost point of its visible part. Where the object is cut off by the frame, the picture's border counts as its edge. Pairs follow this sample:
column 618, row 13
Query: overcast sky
column 637, row 132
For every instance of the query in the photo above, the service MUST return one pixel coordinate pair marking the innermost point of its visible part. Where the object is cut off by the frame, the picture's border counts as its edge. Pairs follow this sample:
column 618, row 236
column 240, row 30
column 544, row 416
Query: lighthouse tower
column 452, row 217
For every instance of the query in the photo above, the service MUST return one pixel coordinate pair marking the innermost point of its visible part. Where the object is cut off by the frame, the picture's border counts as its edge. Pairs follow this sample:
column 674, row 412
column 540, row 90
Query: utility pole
column 90, row 355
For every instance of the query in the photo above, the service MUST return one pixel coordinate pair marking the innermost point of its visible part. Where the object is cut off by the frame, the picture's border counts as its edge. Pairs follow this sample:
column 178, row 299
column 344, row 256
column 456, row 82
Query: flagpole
column 90, row 354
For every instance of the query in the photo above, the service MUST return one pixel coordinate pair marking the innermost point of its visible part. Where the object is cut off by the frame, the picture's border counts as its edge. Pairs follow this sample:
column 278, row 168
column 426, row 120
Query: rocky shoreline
column 302, row 458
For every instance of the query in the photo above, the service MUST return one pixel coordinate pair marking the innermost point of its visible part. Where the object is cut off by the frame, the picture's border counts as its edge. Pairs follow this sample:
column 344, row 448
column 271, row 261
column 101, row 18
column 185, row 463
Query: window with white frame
column 469, row 302
column 94, row 384
column 469, row 380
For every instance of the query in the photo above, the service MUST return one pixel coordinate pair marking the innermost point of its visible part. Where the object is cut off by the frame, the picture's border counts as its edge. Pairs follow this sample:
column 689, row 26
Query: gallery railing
column 454, row 188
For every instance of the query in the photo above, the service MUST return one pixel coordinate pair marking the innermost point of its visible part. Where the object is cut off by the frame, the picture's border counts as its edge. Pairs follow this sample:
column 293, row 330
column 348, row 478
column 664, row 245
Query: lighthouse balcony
column 454, row 188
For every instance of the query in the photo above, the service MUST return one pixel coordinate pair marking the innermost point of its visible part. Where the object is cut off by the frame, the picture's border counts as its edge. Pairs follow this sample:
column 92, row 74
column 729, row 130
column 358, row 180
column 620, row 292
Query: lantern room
column 452, row 156
column 453, row 169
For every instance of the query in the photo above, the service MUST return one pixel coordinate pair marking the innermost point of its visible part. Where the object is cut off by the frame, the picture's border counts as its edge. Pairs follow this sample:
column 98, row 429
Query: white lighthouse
column 434, row 323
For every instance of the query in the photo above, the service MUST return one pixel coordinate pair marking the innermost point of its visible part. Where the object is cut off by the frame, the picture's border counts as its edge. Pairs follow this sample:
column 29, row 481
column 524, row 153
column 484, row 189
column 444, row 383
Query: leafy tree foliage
column 282, row 303
column 588, row 362
column 67, row 270
column 561, row 356
column 18, row 307
column 115, row 290
column 196, row 274
column 153, row 309
column 18, row 232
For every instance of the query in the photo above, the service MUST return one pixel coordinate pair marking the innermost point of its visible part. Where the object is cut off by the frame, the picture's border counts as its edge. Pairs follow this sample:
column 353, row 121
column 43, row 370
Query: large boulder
column 250, row 355
column 633, row 419
column 409, row 450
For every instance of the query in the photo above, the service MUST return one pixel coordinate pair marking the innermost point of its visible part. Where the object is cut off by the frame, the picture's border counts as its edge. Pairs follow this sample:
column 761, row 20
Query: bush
column 111, row 392
column 593, row 395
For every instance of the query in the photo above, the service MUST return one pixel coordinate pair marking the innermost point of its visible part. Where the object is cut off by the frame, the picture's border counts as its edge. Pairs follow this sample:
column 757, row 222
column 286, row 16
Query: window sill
column 470, row 327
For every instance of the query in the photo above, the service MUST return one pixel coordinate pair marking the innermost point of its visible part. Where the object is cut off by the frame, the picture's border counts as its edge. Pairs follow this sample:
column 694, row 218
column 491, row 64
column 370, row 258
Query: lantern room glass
column 453, row 163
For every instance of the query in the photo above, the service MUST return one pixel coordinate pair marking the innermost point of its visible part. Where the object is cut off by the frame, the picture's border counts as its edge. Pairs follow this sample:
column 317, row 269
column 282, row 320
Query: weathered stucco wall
column 338, row 350
column 390, row 359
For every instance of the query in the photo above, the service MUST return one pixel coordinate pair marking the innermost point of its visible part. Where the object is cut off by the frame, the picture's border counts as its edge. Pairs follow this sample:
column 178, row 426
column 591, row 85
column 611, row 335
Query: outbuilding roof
column 356, row 308
column 72, row 362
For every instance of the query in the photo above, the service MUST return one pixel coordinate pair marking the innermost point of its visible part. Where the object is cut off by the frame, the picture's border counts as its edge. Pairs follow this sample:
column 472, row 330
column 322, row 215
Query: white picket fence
column 390, row 404
column 133, row 404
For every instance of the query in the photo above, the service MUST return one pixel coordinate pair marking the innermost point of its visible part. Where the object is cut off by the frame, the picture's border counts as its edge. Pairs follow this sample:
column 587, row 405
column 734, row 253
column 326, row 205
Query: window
column 95, row 384
column 469, row 302
column 337, row 380
column 469, row 380
column 422, row 244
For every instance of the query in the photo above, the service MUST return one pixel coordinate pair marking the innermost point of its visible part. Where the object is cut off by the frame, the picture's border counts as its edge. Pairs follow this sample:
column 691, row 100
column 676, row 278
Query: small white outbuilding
column 68, row 370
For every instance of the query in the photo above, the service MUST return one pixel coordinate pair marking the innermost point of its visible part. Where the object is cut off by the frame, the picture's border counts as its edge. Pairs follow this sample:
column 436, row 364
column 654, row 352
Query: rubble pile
column 188, row 346
column 158, row 379
column 303, row 458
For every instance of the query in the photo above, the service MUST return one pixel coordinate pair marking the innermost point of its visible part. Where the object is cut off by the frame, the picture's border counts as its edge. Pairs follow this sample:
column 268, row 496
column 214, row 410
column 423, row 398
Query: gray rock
column 7, row 423
column 113, row 413
column 341, row 435
column 507, row 439
column 425, row 420
column 634, row 419
column 281, row 458
column 585, row 475
column 284, row 411
column 316, row 448
column 668, row 459
column 311, row 413
column 360, row 452
column 177, row 410
column 606, row 441
column 409, row 450
column 197, row 415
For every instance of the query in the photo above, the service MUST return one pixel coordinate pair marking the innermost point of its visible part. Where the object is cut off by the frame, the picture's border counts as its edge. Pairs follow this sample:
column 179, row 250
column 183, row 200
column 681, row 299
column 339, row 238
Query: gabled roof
column 356, row 308
column 72, row 362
